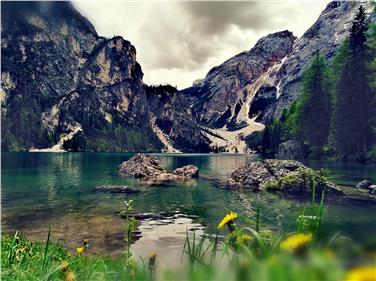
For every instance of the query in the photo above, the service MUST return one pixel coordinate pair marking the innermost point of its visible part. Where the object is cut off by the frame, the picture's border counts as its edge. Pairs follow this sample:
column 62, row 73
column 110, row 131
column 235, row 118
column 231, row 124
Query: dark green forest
column 335, row 115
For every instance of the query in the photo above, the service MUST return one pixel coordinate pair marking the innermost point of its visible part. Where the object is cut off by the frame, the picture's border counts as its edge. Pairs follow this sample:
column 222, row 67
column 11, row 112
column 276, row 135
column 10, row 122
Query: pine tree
column 352, row 130
column 314, row 107
column 371, row 43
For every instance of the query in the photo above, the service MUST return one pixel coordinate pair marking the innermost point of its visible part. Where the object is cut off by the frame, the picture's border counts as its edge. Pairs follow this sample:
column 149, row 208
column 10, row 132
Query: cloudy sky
column 179, row 42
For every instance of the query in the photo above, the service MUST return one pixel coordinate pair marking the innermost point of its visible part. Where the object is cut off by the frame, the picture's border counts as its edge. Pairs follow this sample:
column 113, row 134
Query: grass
column 22, row 259
column 248, row 251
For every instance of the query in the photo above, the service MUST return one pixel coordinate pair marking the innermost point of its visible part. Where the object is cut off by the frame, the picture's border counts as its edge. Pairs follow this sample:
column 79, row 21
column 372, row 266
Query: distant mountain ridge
column 60, row 80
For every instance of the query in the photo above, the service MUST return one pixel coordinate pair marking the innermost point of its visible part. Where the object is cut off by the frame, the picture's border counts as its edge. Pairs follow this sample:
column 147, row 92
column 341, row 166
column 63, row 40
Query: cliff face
column 59, row 78
column 173, row 116
column 221, row 98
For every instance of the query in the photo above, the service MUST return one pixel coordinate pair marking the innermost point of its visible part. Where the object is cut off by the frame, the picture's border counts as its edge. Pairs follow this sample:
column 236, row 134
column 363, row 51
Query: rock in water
column 372, row 189
column 290, row 150
column 116, row 189
column 367, row 185
column 286, row 176
column 189, row 171
column 364, row 184
column 142, row 166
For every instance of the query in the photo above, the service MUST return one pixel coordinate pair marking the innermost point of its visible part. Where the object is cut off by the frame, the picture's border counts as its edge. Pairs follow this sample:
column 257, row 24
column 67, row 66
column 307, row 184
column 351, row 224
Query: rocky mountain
column 65, row 87
column 173, row 118
column 223, row 97
column 263, row 81
column 60, row 79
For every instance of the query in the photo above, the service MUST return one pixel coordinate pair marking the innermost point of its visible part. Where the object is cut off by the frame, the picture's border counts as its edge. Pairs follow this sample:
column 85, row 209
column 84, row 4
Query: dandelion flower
column 296, row 241
column 64, row 265
column 244, row 238
column 229, row 218
column 70, row 276
column 80, row 249
column 152, row 254
column 364, row 273
column 152, row 259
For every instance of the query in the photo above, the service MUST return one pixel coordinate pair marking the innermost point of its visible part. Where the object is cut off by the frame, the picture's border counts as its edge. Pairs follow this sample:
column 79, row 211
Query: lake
column 55, row 189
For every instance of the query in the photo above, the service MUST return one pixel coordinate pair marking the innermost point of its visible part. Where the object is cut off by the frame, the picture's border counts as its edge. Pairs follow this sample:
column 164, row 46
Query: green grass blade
column 46, row 249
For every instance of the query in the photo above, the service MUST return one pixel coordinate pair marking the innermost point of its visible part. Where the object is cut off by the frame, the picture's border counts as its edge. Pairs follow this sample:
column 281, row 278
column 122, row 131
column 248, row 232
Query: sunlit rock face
column 219, row 98
column 109, row 95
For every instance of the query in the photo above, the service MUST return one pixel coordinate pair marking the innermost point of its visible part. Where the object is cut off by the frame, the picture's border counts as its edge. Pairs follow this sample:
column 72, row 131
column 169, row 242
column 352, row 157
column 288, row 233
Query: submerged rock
column 189, row 171
column 288, row 176
column 142, row 166
column 372, row 189
column 364, row 184
column 116, row 189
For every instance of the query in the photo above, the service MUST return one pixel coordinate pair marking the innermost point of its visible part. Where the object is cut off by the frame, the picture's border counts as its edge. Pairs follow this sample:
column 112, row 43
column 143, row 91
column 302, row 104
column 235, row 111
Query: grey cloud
column 186, row 39
column 215, row 17
column 199, row 31
column 205, row 23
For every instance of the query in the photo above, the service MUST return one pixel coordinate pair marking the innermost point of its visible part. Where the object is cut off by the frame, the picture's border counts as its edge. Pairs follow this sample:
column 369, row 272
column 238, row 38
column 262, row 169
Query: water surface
column 55, row 189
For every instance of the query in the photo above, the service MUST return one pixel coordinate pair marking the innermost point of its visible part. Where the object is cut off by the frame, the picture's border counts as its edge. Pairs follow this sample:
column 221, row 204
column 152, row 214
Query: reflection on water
column 166, row 237
column 45, row 189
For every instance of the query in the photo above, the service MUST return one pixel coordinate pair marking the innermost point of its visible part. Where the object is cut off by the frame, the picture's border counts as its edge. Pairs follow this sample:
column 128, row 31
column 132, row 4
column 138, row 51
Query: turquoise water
column 51, row 189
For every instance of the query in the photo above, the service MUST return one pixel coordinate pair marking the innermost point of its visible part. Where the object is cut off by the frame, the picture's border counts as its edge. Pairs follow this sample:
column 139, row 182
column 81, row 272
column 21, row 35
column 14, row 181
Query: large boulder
column 142, row 166
column 288, row 176
column 364, row 184
column 290, row 150
column 372, row 189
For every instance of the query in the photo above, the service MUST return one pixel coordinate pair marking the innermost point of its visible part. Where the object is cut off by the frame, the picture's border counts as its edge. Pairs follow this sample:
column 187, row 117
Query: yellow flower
column 364, row 273
column 80, row 249
column 227, row 219
column 70, row 276
column 296, row 241
column 152, row 254
column 64, row 265
column 244, row 238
